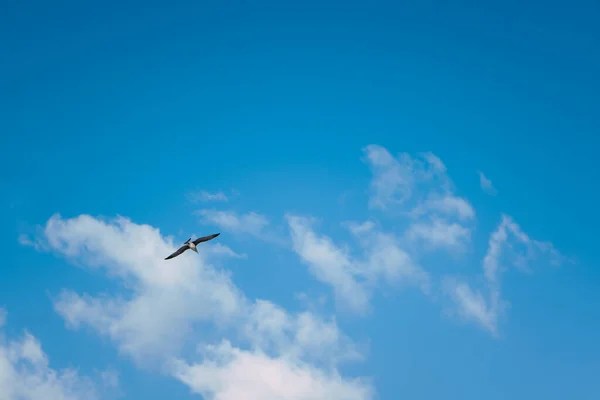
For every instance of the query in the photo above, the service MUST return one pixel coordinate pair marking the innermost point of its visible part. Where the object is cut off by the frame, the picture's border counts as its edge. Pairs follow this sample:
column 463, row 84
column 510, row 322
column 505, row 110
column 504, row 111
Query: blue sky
column 362, row 254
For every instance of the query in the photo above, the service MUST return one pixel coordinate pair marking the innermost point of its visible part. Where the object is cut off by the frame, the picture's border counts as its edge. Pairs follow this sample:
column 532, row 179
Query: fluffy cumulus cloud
column 277, row 361
column 164, row 306
column 164, row 303
column 230, row 373
column 25, row 373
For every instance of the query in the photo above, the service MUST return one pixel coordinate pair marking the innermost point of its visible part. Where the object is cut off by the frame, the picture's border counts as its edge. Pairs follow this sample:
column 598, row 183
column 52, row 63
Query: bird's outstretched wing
column 206, row 238
column 178, row 252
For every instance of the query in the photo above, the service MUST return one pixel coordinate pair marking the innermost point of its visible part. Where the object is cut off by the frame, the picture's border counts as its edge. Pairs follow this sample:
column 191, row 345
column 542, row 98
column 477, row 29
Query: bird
column 189, row 244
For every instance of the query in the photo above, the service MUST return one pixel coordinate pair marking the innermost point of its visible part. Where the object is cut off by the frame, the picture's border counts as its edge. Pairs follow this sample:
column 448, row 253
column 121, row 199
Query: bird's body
column 191, row 244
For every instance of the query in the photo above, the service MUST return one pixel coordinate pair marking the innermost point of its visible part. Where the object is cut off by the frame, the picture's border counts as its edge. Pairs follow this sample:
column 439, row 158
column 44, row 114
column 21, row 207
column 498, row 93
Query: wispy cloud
column 251, row 223
column 415, row 188
column 25, row 240
column 205, row 197
column 508, row 245
column 486, row 184
column 393, row 179
column 439, row 234
column 353, row 278
column 419, row 188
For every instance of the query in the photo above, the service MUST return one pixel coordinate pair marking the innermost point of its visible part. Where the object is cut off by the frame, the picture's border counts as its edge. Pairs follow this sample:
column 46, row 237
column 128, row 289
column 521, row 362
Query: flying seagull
column 189, row 244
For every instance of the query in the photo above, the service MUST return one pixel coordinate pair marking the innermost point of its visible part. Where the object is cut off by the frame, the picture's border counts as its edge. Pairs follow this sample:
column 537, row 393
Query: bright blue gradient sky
column 134, row 109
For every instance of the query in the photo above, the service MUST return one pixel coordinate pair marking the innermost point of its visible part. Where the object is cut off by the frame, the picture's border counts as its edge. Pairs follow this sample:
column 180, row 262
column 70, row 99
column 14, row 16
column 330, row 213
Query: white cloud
column 472, row 304
column 24, row 240
column 110, row 379
column 230, row 373
column 434, row 161
column 351, row 278
column 188, row 301
column 167, row 297
column 305, row 336
column 253, row 348
column 204, row 197
column 486, row 184
column 403, row 182
column 385, row 260
column 279, row 361
column 440, row 234
column 419, row 188
column 219, row 250
column 25, row 373
column 393, row 179
column 251, row 223
column 412, row 184
column 502, row 252
column 447, row 205
column 329, row 264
